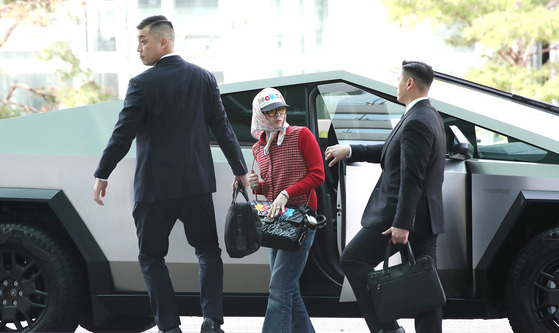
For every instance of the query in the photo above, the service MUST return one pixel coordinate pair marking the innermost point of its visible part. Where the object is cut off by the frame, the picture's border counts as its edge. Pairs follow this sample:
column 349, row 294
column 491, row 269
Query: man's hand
column 99, row 190
column 242, row 179
column 399, row 236
column 336, row 153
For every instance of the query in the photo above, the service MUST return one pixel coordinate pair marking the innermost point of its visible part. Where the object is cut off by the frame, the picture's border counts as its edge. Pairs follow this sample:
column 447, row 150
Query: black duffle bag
column 243, row 228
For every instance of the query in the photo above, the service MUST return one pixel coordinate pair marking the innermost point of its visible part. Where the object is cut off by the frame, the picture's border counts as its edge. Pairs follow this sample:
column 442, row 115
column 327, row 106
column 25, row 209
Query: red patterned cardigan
column 296, row 166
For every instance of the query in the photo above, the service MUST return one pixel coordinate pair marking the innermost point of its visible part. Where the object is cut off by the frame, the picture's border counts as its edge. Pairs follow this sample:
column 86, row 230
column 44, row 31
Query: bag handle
column 319, row 219
column 411, row 258
column 240, row 188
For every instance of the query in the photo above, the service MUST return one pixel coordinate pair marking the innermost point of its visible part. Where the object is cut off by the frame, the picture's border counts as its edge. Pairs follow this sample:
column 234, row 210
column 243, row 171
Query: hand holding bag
column 403, row 290
column 243, row 228
column 288, row 230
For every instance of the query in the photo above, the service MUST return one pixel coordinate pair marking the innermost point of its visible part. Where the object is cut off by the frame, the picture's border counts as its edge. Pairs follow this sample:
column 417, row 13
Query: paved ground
column 343, row 325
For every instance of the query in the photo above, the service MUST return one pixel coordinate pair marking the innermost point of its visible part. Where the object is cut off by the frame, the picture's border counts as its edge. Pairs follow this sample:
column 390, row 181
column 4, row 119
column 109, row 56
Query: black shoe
column 399, row 330
column 210, row 326
column 172, row 330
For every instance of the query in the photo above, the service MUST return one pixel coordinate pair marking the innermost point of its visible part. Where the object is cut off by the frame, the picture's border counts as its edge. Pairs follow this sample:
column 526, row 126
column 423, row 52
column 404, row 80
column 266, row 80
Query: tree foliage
column 25, row 11
column 513, row 33
column 75, row 85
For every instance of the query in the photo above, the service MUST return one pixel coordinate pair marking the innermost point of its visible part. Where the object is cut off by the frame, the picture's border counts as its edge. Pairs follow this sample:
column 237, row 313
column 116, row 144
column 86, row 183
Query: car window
column 355, row 114
column 496, row 146
column 491, row 145
column 239, row 110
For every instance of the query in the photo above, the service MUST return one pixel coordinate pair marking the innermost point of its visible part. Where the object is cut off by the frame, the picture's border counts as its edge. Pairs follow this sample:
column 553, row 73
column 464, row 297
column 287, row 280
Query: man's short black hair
column 153, row 20
column 158, row 25
column 421, row 72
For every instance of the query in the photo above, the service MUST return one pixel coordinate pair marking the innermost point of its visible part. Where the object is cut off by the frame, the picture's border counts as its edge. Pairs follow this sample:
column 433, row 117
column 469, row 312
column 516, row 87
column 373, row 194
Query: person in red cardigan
column 290, row 166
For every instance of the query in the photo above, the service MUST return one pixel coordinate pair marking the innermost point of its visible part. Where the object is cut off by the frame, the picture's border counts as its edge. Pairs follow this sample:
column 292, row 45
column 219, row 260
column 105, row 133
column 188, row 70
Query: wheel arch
column 531, row 213
column 51, row 209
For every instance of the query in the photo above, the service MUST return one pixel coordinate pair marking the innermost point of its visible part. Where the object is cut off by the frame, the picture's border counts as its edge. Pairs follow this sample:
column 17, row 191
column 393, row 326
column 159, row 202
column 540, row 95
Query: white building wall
column 235, row 39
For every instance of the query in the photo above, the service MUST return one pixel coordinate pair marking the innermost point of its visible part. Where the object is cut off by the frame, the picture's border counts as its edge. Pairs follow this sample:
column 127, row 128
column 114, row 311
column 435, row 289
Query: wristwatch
column 284, row 192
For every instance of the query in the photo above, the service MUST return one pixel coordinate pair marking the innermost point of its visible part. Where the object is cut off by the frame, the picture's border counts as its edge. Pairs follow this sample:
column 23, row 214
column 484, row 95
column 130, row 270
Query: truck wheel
column 120, row 324
column 39, row 282
column 532, row 289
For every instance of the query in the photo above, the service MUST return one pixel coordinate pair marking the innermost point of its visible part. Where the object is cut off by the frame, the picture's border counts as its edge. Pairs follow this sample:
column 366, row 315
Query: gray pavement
column 344, row 325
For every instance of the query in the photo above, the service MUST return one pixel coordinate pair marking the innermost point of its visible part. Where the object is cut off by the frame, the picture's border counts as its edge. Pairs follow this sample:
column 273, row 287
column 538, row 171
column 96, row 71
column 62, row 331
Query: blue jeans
column 286, row 312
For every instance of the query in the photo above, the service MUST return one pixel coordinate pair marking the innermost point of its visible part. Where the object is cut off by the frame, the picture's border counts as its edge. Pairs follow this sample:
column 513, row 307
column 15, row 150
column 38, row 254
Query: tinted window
column 495, row 146
column 239, row 110
column 356, row 115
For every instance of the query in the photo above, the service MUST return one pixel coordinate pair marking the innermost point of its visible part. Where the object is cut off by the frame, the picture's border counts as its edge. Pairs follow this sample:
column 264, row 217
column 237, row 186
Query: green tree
column 75, row 85
column 515, row 34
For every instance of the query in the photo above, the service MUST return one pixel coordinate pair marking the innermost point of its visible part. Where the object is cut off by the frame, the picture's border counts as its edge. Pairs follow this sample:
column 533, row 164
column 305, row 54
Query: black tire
column 39, row 282
column 532, row 289
column 120, row 324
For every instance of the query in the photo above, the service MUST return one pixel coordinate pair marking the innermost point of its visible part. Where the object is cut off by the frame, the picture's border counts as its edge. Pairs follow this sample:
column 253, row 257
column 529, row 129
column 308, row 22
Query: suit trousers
column 363, row 253
column 154, row 222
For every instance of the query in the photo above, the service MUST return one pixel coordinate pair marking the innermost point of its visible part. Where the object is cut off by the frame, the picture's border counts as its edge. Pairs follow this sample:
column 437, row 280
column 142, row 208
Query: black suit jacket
column 169, row 109
column 408, row 194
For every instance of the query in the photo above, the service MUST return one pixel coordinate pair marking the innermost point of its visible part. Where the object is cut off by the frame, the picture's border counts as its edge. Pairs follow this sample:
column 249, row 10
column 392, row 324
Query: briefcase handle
column 407, row 248
column 240, row 188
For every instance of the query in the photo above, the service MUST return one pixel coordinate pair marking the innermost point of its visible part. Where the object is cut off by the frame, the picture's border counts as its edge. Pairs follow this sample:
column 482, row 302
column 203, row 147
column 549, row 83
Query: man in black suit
column 407, row 200
column 168, row 109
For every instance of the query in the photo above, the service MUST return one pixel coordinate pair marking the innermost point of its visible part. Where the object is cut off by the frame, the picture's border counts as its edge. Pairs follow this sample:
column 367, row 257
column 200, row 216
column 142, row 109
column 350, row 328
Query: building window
column 149, row 3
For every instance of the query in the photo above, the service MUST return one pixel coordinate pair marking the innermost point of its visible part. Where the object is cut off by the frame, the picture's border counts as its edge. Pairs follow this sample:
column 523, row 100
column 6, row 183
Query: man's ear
column 164, row 42
column 411, row 83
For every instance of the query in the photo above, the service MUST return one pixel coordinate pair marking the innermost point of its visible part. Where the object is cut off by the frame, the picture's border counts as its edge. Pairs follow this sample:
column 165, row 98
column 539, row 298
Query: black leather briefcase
column 403, row 290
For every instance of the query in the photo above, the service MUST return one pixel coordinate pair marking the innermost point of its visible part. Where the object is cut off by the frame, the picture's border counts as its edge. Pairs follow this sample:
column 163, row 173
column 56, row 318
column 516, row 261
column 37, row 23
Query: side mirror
column 460, row 147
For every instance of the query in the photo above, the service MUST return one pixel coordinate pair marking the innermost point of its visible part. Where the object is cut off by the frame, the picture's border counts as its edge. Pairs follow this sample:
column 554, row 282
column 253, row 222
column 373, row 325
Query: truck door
column 355, row 116
column 350, row 115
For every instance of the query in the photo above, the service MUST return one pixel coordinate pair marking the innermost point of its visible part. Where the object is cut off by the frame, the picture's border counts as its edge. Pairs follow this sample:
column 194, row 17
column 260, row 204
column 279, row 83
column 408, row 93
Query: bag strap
column 319, row 218
column 240, row 188
column 252, row 169
column 407, row 248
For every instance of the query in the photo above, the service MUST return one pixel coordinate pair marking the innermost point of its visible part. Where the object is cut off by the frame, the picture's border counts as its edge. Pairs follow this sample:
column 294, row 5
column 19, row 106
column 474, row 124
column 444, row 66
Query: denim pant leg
column 286, row 310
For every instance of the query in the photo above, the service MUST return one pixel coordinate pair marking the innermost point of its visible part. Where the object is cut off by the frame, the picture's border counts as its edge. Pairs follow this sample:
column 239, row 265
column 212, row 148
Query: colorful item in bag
column 287, row 214
column 262, row 209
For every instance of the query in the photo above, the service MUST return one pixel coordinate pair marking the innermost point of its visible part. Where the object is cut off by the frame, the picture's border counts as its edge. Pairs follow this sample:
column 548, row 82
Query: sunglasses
column 273, row 112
